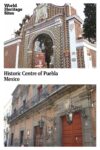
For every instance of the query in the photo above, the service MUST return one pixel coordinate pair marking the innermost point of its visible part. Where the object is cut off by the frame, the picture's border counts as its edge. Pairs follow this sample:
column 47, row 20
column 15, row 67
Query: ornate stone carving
column 41, row 12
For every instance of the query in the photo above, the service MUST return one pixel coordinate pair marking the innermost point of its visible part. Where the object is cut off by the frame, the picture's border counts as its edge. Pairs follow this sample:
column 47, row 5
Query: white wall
column 72, row 39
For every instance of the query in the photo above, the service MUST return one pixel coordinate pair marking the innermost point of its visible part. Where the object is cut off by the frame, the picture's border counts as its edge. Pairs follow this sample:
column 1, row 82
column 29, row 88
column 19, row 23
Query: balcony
column 37, row 99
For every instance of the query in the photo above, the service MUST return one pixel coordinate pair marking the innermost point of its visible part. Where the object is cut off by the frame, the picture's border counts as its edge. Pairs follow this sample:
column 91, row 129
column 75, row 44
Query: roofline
column 86, row 43
column 12, row 40
column 15, row 89
column 75, row 17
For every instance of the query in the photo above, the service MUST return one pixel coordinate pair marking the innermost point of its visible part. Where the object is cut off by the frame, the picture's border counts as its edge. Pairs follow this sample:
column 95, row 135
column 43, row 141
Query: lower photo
column 51, row 116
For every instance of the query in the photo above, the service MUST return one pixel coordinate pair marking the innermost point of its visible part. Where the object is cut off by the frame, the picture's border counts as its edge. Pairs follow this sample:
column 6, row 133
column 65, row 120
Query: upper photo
column 53, row 36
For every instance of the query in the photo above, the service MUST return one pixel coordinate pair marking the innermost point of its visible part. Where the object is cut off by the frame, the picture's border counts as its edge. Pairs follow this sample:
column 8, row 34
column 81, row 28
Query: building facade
column 53, row 115
column 52, row 38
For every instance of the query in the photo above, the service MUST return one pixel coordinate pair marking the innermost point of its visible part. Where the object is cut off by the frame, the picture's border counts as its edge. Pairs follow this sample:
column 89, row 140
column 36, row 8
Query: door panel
column 38, row 136
column 72, row 133
column 21, row 137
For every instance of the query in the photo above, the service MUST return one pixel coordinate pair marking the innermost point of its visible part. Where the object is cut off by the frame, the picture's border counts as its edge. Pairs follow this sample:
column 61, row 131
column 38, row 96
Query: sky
column 11, row 22
column 7, row 98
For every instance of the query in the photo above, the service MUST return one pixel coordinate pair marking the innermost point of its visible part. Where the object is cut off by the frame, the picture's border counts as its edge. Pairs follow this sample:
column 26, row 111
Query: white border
column 67, row 76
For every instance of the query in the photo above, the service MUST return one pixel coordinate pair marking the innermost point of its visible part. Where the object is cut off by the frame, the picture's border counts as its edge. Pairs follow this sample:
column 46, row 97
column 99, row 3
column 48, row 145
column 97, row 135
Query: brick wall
column 78, row 29
column 93, row 54
column 10, row 56
column 73, row 11
column 80, row 58
column 21, row 51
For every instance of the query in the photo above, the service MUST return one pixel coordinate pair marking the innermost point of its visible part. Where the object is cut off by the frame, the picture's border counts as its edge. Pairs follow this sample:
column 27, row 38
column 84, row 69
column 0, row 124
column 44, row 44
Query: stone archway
column 42, row 58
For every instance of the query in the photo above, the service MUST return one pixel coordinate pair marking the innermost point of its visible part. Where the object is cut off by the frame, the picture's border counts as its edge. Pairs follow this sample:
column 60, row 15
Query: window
column 24, row 103
column 12, row 137
column 39, row 89
column 14, row 110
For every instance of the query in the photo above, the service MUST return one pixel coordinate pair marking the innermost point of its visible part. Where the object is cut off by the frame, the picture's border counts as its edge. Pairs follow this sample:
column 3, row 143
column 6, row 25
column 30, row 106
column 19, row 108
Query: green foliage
column 89, row 27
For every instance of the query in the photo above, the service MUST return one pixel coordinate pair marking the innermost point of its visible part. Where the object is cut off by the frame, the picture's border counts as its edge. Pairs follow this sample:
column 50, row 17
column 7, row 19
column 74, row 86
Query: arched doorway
column 43, row 51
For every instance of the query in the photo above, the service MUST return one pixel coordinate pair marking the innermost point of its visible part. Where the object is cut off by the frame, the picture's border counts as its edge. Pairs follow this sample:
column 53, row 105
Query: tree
column 89, row 26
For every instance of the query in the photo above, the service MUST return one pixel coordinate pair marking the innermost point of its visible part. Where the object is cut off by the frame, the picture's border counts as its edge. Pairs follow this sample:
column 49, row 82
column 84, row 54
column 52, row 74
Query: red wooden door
column 38, row 136
column 72, row 133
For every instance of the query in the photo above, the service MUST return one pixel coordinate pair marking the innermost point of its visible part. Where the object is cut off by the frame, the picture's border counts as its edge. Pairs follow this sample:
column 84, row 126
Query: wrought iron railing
column 34, row 101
